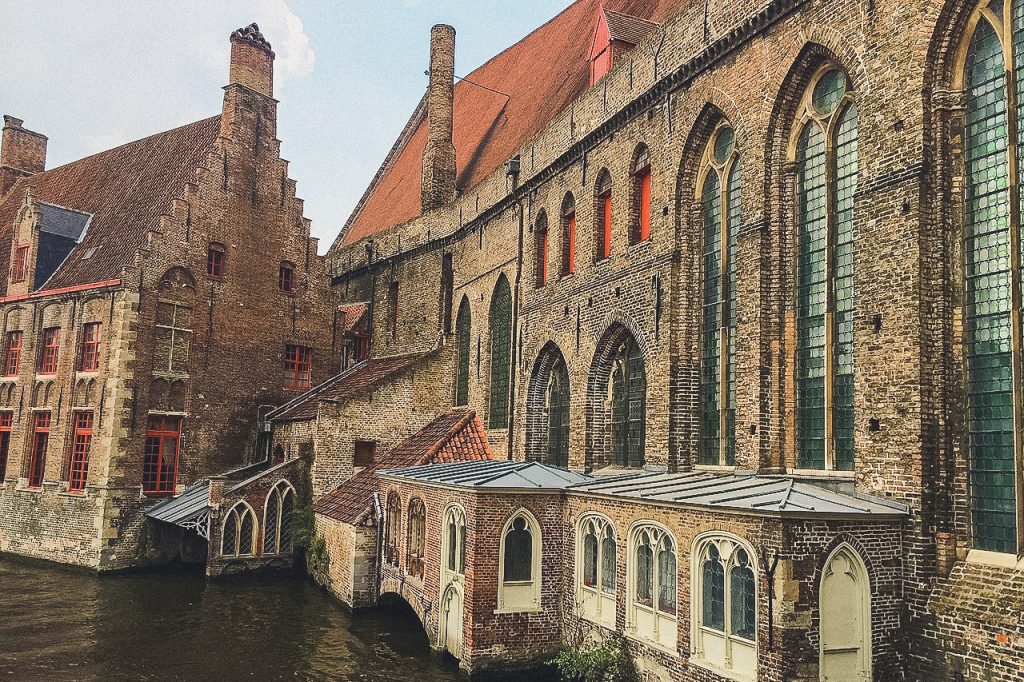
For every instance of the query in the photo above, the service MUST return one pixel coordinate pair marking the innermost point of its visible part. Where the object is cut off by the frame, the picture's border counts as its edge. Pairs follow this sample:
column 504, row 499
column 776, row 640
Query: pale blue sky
column 93, row 75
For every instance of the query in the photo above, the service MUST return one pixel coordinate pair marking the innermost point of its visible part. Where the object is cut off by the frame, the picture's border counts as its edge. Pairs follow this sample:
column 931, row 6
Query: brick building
column 155, row 296
column 764, row 242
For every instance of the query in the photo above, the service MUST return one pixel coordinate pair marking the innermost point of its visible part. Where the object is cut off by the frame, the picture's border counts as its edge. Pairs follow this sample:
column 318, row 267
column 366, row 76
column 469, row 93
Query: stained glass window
column 590, row 557
column 558, row 415
column 501, row 349
column 741, row 585
column 629, row 395
column 608, row 560
column 518, row 552
column 462, row 341
column 644, row 572
column 713, row 592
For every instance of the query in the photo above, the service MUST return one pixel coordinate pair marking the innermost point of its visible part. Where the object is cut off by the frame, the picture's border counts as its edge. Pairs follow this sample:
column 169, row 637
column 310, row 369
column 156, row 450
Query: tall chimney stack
column 22, row 152
column 252, row 60
column 437, row 184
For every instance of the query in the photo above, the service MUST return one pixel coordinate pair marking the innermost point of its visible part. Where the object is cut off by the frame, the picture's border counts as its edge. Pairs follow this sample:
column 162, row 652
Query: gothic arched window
column 393, row 522
column 603, row 215
column 463, row 333
column 557, row 406
column 416, row 541
column 651, row 598
column 540, row 238
column 568, row 220
column 500, row 325
column 628, row 394
column 720, row 210
column 640, row 230
column 238, row 537
column 519, row 579
column 725, row 604
column 826, row 161
column 277, row 519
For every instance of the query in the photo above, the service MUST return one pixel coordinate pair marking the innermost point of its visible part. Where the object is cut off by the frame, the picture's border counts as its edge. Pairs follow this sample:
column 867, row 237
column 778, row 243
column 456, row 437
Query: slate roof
column 453, row 437
column 776, row 495
column 543, row 73
column 125, row 190
column 628, row 28
column 191, row 503
column 360, row 377
column 493, row 474
column 62, row 222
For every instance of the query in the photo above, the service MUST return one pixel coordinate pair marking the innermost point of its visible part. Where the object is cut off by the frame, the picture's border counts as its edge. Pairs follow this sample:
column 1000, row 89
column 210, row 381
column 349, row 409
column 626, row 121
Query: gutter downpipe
column 514, row 176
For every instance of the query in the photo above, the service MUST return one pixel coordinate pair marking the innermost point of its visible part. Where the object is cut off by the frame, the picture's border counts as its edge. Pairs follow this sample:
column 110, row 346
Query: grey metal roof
column 491, row 474
column 188, row 505
column 740, row 492
column 63, row 222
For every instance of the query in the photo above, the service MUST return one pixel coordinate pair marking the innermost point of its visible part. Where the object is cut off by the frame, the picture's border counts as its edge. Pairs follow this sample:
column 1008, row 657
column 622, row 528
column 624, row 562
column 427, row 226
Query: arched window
column 453, row 549
column 640, row 229
column 557, row 404
column 628, row 395
column 277, row 519
column 393, row 310
column 393, row 521
column 447, row 292
column 462, row 343
column 519, row 579
column 651, row 603
column 992, row 349
column 500, row 324
column 596, row 566
column 540, row 239
column 415, row 548
column 725, row 604
column 826, row 160
column 603, row 215
column 278, row 454
column 239, row 534
column 720, row 212
column 568, row 221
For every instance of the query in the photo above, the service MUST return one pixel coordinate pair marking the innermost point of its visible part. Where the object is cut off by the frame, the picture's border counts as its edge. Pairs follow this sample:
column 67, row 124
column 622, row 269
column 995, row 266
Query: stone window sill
column 699, row 662
column 633, row 635
column 511, row 610
column 983, row 557
column 820, row 473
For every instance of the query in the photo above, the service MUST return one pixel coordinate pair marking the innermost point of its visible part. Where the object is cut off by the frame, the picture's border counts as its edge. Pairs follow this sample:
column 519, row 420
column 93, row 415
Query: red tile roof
column 544, row 72
column 351, row 314
column 457, row 436
column 125, row 189
column 361, row 377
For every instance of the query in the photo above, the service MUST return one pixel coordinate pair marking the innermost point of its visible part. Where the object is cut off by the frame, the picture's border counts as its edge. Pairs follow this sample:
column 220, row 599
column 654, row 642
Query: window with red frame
column 91, row 339
column 160, row 459
column 51, row 351
column 6, row 423
column 215, row 260
column 12, row 353
column 568, row 234
column 286, row 277
column 362, row 346
column 40, row 439
column 642, row 196
column 541, row 236
column 19, row 270
column 78, row 465
column 298, row 367
column 603, row 228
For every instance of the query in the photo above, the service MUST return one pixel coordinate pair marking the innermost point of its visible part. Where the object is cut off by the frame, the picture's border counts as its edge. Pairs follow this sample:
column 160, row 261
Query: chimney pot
column 252, row 60
column 22, row 152
column 437, row 182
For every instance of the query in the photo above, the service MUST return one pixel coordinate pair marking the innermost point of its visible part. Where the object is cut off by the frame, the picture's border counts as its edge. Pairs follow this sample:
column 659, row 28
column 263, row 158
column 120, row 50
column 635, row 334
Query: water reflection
column 176, row 625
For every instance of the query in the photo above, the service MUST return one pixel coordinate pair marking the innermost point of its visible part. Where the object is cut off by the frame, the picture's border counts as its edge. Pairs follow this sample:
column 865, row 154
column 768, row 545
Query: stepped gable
column 542, row 73
column 366, row 374
column 457, row 436
column 125, row 190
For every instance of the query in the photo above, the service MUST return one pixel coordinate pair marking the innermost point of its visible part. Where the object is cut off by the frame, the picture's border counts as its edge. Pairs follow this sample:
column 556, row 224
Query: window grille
column 501, row 349
column 12, row 353
column 78, row 469
column 628, row 404
column 51, row 351
column 91, row 343
column 160, row 460
column 40, row 441
column 558, row 415
column 463, row 341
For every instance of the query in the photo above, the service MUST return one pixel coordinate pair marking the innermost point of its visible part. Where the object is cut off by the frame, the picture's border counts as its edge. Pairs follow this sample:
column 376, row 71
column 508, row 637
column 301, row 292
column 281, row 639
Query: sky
column 348, row 74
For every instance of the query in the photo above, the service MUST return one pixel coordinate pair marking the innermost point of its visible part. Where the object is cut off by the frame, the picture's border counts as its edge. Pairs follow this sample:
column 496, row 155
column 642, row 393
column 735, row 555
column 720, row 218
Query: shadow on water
column 174, row 624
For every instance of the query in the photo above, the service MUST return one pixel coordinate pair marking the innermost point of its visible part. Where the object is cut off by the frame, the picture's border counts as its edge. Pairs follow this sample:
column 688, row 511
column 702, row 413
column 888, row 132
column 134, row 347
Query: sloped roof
column 542, row 73
column 777, row 495
column 62, row 222
column 125, row 190
column 351, row 315
column 492, row 475
column 453, row 437
column 627, row 28
column 360, row 377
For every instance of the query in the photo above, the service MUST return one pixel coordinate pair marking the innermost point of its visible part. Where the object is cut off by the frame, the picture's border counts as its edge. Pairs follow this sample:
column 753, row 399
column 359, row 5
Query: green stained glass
column 711, row 198
column 734, row 205
column 629, row 395
column 988, row 328
column 558, row 416
column 462, row 341
column 842, row 386
column 500, row 322
column 828, row 92
column 723, row 145
column 811, row 298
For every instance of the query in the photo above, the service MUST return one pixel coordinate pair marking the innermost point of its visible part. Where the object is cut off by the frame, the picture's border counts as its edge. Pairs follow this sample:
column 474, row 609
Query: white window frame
column 595, row 603
column 647, row 623
column 238, row 533
column 520, row 596
column 283, row 488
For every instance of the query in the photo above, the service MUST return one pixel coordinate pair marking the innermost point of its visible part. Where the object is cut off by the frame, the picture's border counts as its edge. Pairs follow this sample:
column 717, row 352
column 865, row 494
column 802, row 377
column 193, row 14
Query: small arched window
column 725, row 606
column 640, row 229
column 393, row 522
column 277, row 519
column 416, row 541
column 462, row 344
column 278, row 454
column 519, row 580
column 286, row 277
column 652, row 594
column 239, row 534
column 568, row 222
column 454, row 549
column 603, row 215
column 628, row 395
column 540, row 238
column 596, row 579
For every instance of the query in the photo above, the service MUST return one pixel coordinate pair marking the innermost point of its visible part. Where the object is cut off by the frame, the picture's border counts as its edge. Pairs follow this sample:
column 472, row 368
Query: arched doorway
column 845, row 606
column 450, row 637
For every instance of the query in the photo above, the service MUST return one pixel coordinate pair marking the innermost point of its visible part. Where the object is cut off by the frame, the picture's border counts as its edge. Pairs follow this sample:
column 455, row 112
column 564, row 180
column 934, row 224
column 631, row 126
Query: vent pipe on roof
column 437, row 183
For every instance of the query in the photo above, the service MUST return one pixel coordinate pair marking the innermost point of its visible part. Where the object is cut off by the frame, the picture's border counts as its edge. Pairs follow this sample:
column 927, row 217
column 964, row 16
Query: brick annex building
column 697, row 323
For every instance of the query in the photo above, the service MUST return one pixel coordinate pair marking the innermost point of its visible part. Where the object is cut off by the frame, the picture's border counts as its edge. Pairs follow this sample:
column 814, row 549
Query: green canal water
column 174, row 624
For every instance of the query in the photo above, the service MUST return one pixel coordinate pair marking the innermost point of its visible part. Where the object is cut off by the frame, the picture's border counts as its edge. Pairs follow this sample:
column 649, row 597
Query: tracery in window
column 603, row 215
column 596, row 566
column 239, row 535
column 454, row 542
column 416, row 542
column 720, row 200
column 392, row 528
column 826, row 160
column 557, row 407
column 640, row 230
column 725, row 605
column 628, row 396
column 519, row 580
column 651, row 598
column 173, row 337
column 277, row 519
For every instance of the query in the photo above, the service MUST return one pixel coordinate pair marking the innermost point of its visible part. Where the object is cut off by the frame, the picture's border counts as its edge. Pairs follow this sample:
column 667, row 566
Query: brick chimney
column 252, row 60
column 437, row 183
column 22, row 152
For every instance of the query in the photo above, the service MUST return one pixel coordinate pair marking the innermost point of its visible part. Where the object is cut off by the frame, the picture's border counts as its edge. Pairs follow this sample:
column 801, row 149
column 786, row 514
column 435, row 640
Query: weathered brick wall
column 352, row 561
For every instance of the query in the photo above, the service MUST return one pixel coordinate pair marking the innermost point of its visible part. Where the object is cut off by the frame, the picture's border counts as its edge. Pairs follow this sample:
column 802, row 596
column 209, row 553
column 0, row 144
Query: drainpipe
column 512, row 171
column 379, row 515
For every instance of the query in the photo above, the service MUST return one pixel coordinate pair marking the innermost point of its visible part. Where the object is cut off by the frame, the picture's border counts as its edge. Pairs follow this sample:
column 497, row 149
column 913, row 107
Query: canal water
column 174, row 624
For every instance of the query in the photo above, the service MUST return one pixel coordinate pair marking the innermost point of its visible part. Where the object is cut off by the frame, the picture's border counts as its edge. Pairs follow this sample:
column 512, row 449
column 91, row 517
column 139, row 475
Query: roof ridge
column 446, row 438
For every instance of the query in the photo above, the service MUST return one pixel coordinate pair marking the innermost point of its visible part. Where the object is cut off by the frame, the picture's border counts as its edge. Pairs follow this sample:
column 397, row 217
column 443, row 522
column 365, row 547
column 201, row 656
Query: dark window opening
column 365, row 453
column 215, row 260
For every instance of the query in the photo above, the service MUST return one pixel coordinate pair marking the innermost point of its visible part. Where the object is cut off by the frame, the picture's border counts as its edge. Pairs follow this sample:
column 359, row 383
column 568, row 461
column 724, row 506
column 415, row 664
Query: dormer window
column 19, row 271
column 615, row 35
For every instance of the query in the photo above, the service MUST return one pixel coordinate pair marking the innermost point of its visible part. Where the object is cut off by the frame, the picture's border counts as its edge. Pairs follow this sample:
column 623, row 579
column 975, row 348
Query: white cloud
column 284, row 30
